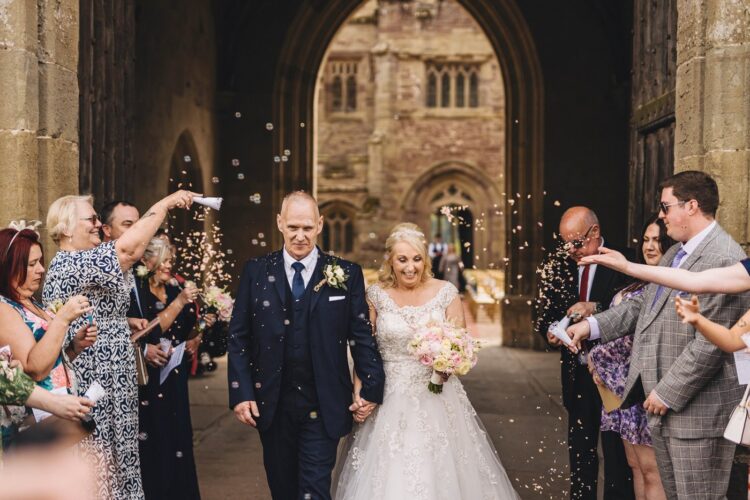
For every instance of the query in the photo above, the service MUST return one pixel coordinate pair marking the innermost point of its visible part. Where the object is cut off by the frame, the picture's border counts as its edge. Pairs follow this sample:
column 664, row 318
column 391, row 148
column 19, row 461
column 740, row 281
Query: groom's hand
column 361, row 409
column 246, row 412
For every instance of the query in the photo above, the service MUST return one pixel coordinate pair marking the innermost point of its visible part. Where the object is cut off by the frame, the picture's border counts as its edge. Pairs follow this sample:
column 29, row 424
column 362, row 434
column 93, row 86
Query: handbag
column 738, row 428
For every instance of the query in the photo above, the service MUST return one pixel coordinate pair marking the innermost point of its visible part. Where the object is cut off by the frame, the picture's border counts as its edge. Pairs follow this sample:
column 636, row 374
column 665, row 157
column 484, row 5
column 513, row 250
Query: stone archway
column 293, row 112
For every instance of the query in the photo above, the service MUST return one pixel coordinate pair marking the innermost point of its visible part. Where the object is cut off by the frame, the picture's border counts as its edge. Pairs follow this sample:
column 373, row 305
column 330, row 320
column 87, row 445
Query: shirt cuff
column 594, row 326
column 661, row 400
column 145, row 348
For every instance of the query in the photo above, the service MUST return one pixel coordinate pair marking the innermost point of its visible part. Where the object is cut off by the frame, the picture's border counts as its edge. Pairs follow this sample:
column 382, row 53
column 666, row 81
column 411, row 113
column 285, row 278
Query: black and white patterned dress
column 110, row 361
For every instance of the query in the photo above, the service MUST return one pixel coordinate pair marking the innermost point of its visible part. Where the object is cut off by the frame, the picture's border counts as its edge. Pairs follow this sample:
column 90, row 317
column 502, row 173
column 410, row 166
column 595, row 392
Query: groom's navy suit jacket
column 257, row 341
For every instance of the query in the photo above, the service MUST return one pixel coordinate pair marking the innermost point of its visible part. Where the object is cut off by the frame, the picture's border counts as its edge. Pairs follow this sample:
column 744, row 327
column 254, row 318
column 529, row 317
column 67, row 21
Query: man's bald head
column 299, row 197
column 580, row 226
column 300, row 223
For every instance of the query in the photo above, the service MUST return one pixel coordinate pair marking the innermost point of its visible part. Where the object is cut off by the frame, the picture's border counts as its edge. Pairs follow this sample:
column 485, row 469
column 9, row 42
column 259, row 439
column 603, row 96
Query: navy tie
column 298, row 284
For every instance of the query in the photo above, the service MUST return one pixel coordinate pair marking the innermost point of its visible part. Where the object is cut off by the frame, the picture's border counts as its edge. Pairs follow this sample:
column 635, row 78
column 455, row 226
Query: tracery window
column 342, row 77
column 447, row 85
column 338, row 229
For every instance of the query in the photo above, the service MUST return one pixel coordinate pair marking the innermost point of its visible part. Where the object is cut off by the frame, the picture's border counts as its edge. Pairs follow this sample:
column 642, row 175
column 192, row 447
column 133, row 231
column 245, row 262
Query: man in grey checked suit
column 690, row 386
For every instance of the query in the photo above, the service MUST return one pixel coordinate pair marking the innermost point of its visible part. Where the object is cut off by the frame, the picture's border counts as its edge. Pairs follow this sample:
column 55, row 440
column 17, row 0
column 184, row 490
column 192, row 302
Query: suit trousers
column 298, row 454
column 697, row 469
column 584, row 419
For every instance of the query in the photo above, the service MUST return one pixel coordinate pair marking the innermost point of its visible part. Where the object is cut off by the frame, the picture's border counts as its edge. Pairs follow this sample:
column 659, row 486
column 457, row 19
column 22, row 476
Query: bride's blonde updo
column 411, row 234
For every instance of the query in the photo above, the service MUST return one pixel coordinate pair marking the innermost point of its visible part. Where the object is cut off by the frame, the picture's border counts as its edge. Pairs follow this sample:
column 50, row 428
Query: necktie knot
column 681, row 253
column 298, row 267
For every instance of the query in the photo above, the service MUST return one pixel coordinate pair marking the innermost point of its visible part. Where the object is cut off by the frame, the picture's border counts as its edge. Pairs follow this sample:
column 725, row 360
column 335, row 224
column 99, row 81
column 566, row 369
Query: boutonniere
column 141, row 271
column 55, row 306
column 334, row 276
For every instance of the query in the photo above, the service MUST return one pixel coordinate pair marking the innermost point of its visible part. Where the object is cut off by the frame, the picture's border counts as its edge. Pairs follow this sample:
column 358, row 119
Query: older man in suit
column 688, row 386
column 579, row 291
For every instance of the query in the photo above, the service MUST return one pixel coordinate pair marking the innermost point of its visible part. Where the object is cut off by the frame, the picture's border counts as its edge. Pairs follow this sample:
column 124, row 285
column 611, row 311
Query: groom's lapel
column 279, row 274
column 316, row 278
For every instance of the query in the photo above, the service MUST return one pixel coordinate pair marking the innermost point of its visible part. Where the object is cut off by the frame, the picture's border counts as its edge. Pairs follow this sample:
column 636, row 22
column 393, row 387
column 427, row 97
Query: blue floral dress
column 59, row 379
column 612, row 362
column 97, row 274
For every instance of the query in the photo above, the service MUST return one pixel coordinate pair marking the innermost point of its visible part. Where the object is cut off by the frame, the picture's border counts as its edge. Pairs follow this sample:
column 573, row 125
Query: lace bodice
column 395, row 327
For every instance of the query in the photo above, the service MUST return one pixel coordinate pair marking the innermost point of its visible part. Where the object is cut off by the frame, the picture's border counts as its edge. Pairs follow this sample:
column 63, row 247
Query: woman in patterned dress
column 609, row 365
column 102, row 273
column 36, row 336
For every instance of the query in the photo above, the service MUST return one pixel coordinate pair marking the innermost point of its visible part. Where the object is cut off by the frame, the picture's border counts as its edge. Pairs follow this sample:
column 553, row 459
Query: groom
column 288, row 369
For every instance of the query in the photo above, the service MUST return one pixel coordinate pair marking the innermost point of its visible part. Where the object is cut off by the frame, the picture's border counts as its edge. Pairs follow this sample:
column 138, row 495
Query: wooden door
column 653, row 98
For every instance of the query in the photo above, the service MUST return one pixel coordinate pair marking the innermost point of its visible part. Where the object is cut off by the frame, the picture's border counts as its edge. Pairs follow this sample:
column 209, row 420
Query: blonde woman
column 101, row 272
column 417, row 444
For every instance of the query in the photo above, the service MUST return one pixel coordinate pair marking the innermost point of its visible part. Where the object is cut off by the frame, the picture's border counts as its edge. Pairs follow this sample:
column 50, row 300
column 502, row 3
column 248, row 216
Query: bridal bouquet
column 447, row 349
column 220, row 300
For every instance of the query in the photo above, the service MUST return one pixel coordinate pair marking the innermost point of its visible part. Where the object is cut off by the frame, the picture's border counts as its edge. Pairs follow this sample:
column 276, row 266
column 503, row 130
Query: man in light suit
column 686, row 384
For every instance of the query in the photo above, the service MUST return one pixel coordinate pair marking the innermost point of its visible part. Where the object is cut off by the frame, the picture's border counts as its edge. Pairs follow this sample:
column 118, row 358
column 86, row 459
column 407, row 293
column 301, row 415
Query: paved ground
column 516, row 393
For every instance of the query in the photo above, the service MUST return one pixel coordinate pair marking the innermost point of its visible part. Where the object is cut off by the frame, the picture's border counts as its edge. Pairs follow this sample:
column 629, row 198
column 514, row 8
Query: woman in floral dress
column 609, row 364
column 102, row 273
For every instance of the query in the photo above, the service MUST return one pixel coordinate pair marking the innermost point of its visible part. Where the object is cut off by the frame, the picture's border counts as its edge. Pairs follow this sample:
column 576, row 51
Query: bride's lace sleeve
column 447, row 294
column 373, row 295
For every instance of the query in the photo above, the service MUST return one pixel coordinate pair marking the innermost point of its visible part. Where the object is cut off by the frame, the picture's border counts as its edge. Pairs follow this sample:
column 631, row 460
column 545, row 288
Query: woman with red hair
column 35, row 334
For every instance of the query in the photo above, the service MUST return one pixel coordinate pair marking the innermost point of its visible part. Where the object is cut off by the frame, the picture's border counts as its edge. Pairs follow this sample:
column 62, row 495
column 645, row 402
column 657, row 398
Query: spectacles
column 663, row 207
column 579, row 242
column 93, row 219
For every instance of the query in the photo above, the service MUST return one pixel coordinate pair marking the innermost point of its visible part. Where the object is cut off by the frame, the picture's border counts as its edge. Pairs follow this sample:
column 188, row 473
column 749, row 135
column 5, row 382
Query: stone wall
column 175, row 92
column 39, row 107
column 712, row 106
column 392, row 156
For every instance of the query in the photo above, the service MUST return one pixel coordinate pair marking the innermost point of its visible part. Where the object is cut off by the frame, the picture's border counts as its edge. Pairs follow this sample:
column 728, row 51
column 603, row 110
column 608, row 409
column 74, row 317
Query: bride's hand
column 444, row 376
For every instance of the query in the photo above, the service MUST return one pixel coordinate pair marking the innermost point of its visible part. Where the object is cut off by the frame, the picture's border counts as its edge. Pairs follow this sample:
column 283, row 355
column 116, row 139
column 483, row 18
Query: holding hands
column 361, row 408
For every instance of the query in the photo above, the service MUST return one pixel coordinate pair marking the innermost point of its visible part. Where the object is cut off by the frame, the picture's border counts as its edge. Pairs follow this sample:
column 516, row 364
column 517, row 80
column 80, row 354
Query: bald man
column 578, row 292
column 288, row 369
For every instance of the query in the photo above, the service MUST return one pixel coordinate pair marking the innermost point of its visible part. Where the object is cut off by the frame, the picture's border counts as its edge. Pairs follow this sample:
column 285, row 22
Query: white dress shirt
column 310, row 261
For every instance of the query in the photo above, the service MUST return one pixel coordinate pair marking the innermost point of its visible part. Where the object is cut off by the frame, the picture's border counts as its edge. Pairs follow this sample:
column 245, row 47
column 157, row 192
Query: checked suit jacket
column 690, row 374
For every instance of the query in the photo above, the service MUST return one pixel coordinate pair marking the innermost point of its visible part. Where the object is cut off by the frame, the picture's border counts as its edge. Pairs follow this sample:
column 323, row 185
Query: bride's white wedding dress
column 418, row 445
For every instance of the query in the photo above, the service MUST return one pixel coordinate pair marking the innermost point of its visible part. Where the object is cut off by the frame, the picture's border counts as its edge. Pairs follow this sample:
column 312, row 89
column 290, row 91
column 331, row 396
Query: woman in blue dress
column 102, row 272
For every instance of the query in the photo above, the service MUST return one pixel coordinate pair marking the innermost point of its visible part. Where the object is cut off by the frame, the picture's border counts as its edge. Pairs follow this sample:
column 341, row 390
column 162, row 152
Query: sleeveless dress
column 97, row 274
column 417, row 444
column 60, row 379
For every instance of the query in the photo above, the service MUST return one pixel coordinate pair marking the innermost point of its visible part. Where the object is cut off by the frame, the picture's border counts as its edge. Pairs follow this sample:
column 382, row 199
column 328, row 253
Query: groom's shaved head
column 300, row 223
column 298, row 197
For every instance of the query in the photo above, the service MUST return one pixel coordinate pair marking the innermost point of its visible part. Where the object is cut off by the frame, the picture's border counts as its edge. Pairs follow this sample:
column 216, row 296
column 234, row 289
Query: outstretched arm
column 730, row 279
column 726, row 339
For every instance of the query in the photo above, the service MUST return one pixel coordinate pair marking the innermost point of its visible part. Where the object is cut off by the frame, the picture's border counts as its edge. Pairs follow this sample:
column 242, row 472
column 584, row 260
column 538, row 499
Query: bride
column 417, row 445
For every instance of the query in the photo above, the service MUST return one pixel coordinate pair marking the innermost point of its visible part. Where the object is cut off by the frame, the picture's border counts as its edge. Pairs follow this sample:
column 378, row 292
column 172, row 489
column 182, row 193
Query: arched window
column 474, row 90
column 432, row 89
column 338, row 229
column 351, row 93
column 342, row 79
column 460, row 89
column 445, row 91
column 447, row 85
column 337, row 92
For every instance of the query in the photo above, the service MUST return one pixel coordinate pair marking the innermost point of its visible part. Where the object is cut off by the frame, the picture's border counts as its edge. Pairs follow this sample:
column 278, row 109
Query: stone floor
column 516, row 393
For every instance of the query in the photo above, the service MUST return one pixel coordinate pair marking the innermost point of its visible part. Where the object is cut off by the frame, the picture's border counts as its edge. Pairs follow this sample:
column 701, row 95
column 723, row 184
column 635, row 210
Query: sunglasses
column 579, row 242
column 663, row 207
column 93, row 219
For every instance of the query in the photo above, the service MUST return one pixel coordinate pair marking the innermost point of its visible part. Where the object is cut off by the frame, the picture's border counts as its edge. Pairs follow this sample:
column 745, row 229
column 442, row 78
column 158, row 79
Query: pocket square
column 336, row 297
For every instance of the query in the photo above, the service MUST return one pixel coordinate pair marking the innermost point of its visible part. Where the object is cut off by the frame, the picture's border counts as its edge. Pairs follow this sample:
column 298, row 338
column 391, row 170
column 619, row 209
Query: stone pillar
column 712, row 110
column 39, row 108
